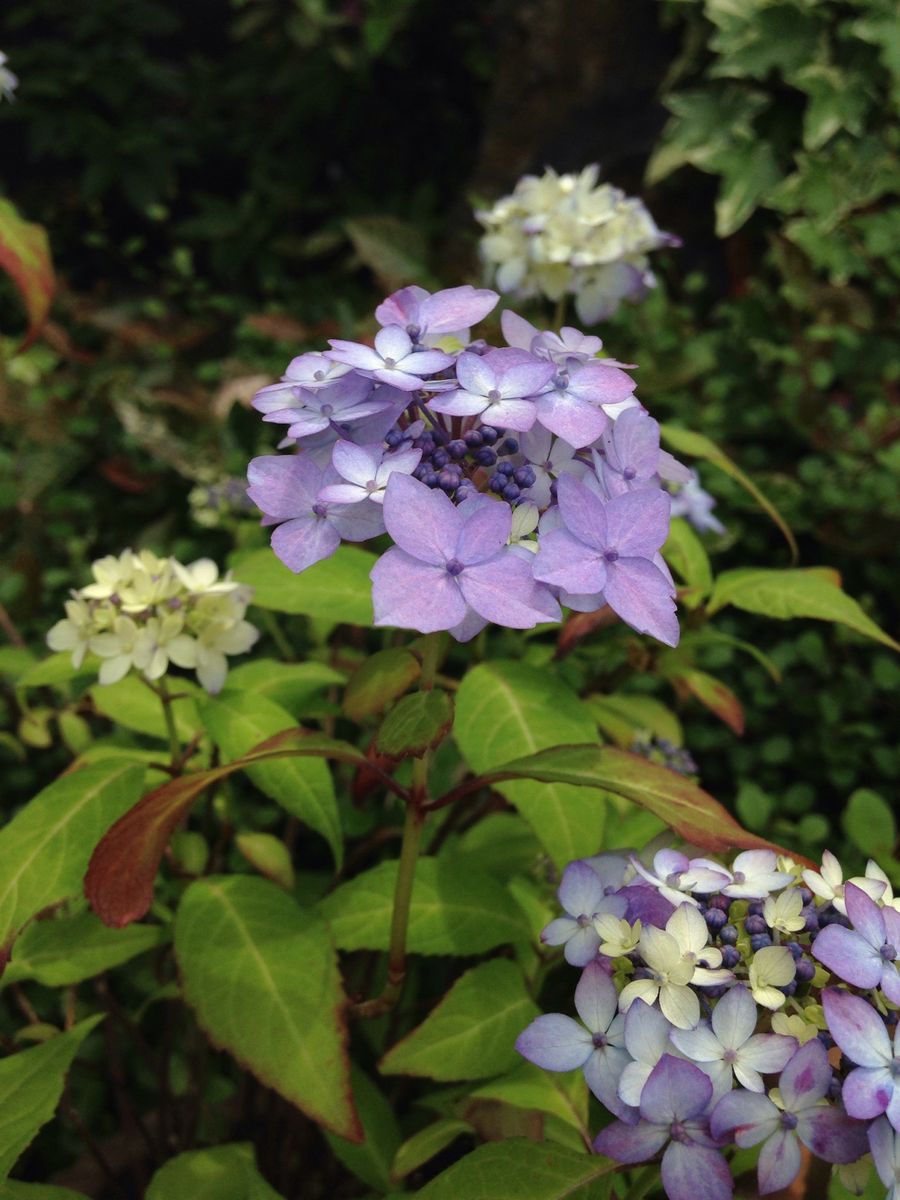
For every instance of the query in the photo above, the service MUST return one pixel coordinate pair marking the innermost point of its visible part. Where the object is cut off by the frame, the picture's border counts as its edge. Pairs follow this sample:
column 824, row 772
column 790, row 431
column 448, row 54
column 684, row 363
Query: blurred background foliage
column 226, row 184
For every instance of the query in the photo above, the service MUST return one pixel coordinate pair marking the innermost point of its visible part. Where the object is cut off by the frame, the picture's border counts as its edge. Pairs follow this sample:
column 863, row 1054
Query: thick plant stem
column 409, row 854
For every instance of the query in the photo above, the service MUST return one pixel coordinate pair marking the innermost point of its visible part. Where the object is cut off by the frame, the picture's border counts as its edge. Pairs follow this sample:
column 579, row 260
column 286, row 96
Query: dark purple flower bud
column 789, row 988
column 755, row 908
column 755, row 924
column 759, row 941
column 731, row 956
column 796, row 950
column 421, row 471
column 722, row 902
column 430, row 479
column 497, row 482
column 716, row 919
column 826, row 1039
column 728, row 935
column 812, row 919
column 457, row 448
column 511, row 492
column 806, row 971
column 485, row 457
column 489, row 435
column 805, row 895
column 510, row 446
column 506, row 469
column 393, row 438
column 448, row 481
column 473, row 439
column 440, row 458
column 525, row 477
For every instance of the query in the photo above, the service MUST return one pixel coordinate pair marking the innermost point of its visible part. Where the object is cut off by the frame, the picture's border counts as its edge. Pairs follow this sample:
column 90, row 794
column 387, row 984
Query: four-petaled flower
column 754, row 874
column 583, row 896
column 393, row 359
column 675, row 875
column 366, row 471
column 426, row 316
column 771, row 969
column 867, row 954
column 581, row 398
column 828, row 884
column 498, row 386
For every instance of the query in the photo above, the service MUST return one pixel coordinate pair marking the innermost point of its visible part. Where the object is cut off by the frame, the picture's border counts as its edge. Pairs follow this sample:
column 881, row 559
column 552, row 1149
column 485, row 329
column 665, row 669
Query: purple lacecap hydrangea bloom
column 583, row 896
column 867, row 954
column 468, row 455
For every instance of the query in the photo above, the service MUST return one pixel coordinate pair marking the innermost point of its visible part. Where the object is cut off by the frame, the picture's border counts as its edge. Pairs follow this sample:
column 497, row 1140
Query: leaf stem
column 166, row 700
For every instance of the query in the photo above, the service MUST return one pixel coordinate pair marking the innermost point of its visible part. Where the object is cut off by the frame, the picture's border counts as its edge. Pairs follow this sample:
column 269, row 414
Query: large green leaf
column 31, row 1083
column 25, row 257
column 219, row 1173
column 454, row 910
column 415, row 724
column 697, row 445
column 337, row 589
column 421, row 1147
column 261, row 974
column 794, row 593
column 472, row 1031
column 687, row 556
column 383, row 677
column 560, row 1094
column 505, row 710
column 298, row 687
column 65, row 950
column 237, row 721
column 520, row 1168
column 45, row 848
column 370, row 1160
column 132, row 704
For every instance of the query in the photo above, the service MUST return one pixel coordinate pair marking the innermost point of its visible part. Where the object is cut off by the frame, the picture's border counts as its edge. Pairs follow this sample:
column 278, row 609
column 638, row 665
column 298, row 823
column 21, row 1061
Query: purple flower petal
column 454, row 309
column 582, row 947
column 485, row 532
column 763, row 1054
column 411, row 594
column 849, row 955
column 304, row 541
column 867, row 1092
column 564, row 561
column 575, row 420
column 283, row 485
column 559, row 931
column 392, row 342
column 884, row 1144
column 734, row 1018
column 779, row 1162
column 423, row 522
column 675, row 1091
column 364, row 358
column 402, row 307
column 830, row 1134
column 580, row 890
column 458, row 404
column 646, row 1033
column 602, row 1073
column 555, row 1042
column 699, row 1044
column 748, row 1117
column 856, row 1027
column 692, row 1172
column 866, row 916
column 583, row 513
column 805, row 1079
column 637, row 591
column 596, row 998
column 503, row 590
column 631, row 1143
column 638, row 523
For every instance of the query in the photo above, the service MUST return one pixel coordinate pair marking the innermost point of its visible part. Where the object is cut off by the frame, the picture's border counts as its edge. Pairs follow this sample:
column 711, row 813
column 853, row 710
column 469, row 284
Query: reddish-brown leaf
column 25, row 256
column 713, row 694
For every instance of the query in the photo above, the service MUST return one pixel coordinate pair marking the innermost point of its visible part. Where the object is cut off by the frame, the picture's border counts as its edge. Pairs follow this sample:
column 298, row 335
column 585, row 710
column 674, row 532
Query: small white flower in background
column 794, row 1026
column 8, row 81
column 828, row 884
column 617, row 936
column 754, row 873
column 772, row 968
column 144, row 613
column 784, row 912
column 558, row 235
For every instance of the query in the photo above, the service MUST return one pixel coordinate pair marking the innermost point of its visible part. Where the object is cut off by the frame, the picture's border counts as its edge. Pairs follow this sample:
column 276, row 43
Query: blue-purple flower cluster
column 512, row 479
column 750, row 1005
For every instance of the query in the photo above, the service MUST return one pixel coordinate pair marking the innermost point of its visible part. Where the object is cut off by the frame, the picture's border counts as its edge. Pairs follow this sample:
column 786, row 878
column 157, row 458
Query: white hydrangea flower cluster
column 8, row 81
column 143, row 613
column 560, row 235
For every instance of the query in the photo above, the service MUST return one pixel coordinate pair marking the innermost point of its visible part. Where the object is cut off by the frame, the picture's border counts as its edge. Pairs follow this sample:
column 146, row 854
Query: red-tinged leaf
column 579, row 626
column 25, row 257
column 120, row 877
column 714, row 694
column 684, row 806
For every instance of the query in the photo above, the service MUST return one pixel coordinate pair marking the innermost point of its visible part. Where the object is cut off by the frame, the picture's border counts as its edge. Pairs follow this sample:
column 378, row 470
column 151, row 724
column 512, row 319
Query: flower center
column 629, row 473
column 318, row 376
column 730, row 1056
column 390, row 363
column 327, row 410
column 454, row 567
column 788, row 1121
column 610, row 555
column 678, row 1133
column 599, row 1040
column 888, row 952
column 493, row 395
column 371, row 485
column 320, row 510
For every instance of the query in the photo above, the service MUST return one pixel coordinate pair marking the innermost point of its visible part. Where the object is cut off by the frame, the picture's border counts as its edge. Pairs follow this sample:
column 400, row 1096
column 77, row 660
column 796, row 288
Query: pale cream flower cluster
column 559, row 235
column 143, row 613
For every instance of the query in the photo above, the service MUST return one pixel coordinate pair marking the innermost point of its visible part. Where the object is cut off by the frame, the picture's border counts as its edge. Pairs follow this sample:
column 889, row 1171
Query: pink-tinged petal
column 402, row 307
column 734, row 1018
column 354, row 354
column 458, row 404
column 303, row 424
column 519, row 415
column 856, row 1027
column 574, row 420
column 475, row 374
column 357, row 522
column 356, row 464
column 805, row 1079
column 766, row 1053
column 779, row 1162
column 849, row 955
column 596, row 998
column 564, row 561
column 675, row 1091
column 503, row 590
column 830, row 1134
column 637, row 523
column 423, row 522
column 885, row 1148
column 559, row 931
column 426, row 362
column 699, row 1044
column 455, row 308
column 304, row 541
column 601, row 384
column 631, row 1143
column 866, row 917
column 639, row 594
column 582, row 947
column 646, row 1033
column 283, row 485
column 583, row 512
column 517, row 331
column 867, row 1092
column 746, row 1118
column 396, row 377
column 414, row 595
column 602, row 1073
column 555, row 1042
column 692, row 1172
column 343, row 493
column 392, row 342
column 891, row 919
column 636, row 442
column 484, row 533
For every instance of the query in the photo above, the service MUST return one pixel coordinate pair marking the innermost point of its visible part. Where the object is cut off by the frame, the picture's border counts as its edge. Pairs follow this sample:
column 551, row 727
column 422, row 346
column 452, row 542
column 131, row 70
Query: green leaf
column 454, row 910
column 133, row 705
column 395, row 250
column 297, row 687
column 55, row 670
column 415, row 724
column 337, row 589
column 424, row 1145
column 269, row 855
column 220, row 1173
column 65, row 950
column 686, row 555
column 238, row 721
column 45, row 848
column 712, row 694
column 627, row 718
column 712, row 637
column 560, row 1094
column 371, row 1159
column 794, row 593
column 261, row 974
column 383, row 677
column 517, row 1167
column 471, row 1033
column 696, row 445
column 505, row 710
column 870, row 823
column 31, row 1083
column 25, row 257
column 674, row 799
column 13, row 1189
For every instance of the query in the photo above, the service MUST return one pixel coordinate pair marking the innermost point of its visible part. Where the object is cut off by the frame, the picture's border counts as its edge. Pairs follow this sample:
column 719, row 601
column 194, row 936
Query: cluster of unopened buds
column 512, row 480
column 567, row 235
column 747, row 1005
column 143, row 612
